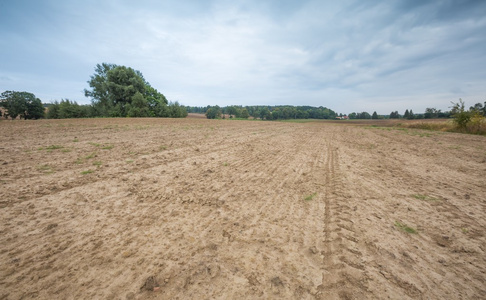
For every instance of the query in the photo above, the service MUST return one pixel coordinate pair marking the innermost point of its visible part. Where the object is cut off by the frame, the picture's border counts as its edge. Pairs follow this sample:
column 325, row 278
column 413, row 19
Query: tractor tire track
column 344, row 274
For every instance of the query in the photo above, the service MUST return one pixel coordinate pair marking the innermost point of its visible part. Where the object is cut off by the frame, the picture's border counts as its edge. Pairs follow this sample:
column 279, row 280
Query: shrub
column 470, row 121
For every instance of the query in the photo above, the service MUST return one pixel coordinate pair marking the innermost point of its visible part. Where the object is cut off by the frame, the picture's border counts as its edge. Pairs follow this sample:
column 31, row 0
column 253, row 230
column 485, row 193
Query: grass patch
column 129, row 161
column 297, row 120
column 45, row 168
column 108, row 147
column 79, row 161
column 404, row 227
column 75, row 140
column 162, row 148
column 475, row 126
column 54, row 147
column 66, row 150
column 97, row 163
column 424, row 197
column 403, row 128
column 310, row 197
column 225, row 164
column 434, row 126
column 92, row 155
column 94, row 144
column 86, row 172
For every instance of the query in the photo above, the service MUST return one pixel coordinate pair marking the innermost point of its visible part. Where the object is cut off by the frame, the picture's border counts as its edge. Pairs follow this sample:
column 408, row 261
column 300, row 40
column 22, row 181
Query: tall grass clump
column 446, row 125
column 468, row 121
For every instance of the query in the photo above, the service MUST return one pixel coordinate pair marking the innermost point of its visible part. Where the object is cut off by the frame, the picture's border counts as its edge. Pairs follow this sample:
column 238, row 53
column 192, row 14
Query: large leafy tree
column 35, row 109
column 214, row 113
column 13, row 104
column 120, row 91
column 22, row 104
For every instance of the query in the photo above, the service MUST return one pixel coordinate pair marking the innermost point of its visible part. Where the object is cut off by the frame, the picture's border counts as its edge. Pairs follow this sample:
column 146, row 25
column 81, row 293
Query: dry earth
column 201, row 209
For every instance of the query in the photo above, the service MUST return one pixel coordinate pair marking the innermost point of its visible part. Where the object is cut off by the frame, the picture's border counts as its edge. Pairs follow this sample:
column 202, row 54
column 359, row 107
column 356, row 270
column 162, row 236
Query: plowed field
column 208, row 209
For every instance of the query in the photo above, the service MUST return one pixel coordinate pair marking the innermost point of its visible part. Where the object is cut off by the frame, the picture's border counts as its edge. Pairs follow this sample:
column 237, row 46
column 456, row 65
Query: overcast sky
column 345, row 55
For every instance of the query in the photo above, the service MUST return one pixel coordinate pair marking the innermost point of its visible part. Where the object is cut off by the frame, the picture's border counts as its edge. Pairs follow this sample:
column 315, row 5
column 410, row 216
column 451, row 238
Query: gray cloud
column 351, row 55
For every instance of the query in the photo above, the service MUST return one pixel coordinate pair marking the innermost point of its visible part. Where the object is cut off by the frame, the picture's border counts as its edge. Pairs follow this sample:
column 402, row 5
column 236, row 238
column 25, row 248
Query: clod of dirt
column 253, row 280
column 276, row 281
column 51, row 226
column 150, row 284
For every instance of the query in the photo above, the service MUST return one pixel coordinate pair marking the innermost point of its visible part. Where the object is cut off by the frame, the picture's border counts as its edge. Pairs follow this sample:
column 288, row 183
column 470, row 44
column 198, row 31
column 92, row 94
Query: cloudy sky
column 345, row 55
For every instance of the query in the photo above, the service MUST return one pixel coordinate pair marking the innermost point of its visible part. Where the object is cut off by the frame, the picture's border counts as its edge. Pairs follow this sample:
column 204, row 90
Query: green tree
column 35, row 109
column 406, row 114
column 265, row 113
column 53, row 110
column 214, row 113
column 244, row 113
column 13, row 104
column 479, row 108
column 232, row 111
column 138, row 107
column 22, row 104
column 411, row 116
column 120, row 91
column 374, row 116
column 177, row 111
column 364, row 115
column 461, row 116
column 431, row 113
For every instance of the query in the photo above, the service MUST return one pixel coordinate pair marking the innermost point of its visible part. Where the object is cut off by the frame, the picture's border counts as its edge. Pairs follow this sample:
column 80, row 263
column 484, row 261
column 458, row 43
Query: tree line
column 115, row 91
column 265, row 112
column 430, row 113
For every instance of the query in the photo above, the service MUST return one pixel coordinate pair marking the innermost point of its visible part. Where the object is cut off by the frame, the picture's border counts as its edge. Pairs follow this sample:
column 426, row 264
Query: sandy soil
column 208, row 209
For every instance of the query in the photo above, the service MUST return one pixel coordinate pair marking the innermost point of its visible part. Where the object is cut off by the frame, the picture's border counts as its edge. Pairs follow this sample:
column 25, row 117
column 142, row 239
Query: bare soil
column 213, row 209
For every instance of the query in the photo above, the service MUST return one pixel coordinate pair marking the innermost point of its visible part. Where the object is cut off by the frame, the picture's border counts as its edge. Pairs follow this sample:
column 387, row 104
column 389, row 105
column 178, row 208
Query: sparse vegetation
column 45, row 168
column 469, row 121
column 404, row 227
column 310, row 197
column 108, row 147
column 92, row 155
column 86, row 172
column 54, row 147
column 424, row 197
